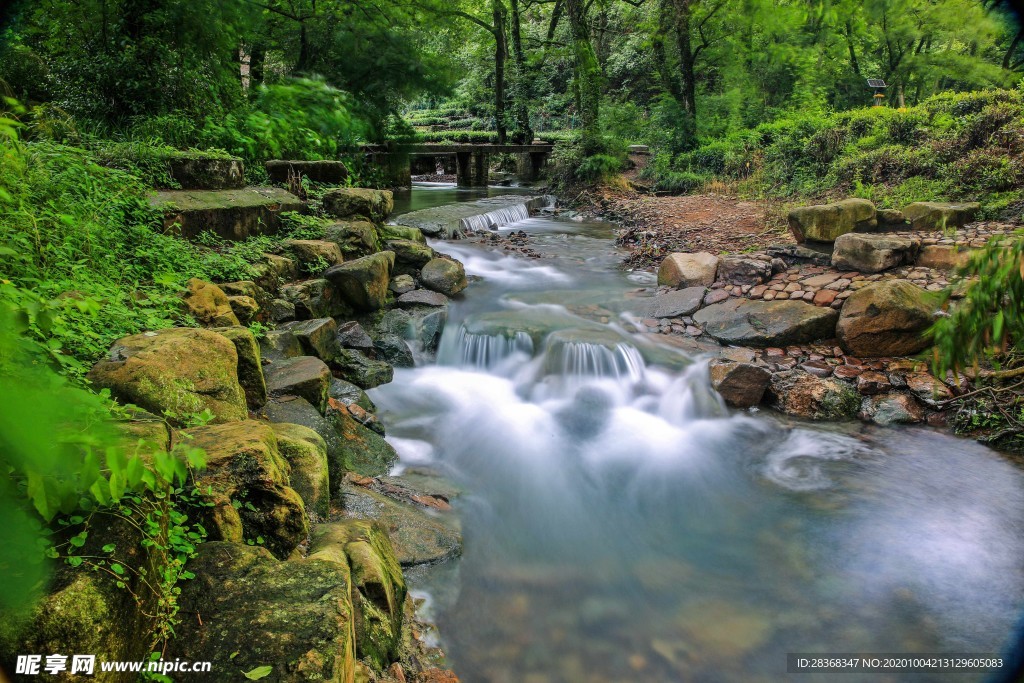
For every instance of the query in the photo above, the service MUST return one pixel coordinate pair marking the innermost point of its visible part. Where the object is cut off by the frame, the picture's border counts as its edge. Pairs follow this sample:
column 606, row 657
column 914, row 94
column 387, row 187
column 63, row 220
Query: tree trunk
column 500, row 54
column 688, row 81
column 524, row 133
column 588, row 75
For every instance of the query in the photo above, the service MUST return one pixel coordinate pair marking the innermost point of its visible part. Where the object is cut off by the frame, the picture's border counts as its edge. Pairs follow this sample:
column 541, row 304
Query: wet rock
column 796, row 392
column 886, row 318
column 934, row 216
column 378, row 588
column 444, row 275
column 927, row 388
column 767, row 323
column 280, row 344
column 818, row 368
column 208, row 304
column 296, row 617
column 305, row 376
column 872, row 253
column 394, row 350
column 354, row 239
column 244, row 465
column 354, row 202
column 826, row 222
column 742, row 385
column 362, row 371
column 245, row 308
column 402, row 284
column 422, row 297
column 177, row 371
column 250, row 365
column 314, row 256
column 715, row 296
column 417, row 536
column 744, row 271
column 688, row 270
column 317, row 337
column 889, row 409
column 351, row 335
column 943, row 257
column 349, row 394
column 675, row 304
column 363, row 283
column 306, row 454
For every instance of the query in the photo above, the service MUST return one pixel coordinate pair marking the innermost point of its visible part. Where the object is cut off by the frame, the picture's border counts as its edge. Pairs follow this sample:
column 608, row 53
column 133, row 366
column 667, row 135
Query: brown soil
column 657, row 225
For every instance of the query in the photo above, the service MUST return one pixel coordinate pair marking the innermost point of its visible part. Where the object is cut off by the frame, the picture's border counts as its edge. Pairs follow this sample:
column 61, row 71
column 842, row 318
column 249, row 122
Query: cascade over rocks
column 886, row 318
column 177, row 371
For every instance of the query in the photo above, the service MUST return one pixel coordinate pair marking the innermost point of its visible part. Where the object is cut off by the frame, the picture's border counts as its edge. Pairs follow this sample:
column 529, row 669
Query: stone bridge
column 471, row 160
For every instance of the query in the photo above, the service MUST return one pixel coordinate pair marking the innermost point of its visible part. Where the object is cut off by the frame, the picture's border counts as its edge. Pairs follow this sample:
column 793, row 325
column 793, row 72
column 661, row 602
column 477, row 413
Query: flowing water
column 620, row 524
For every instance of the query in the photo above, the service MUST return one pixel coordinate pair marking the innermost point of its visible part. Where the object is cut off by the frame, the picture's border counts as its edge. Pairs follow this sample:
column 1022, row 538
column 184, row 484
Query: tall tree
column 587, row 72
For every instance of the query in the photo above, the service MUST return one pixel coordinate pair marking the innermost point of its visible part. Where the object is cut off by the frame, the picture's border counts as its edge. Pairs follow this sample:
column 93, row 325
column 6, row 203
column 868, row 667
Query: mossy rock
column 934, row 216
column 250, row 365
column 175, row 372
column 379, row 588
column 316, row 298
column 208, row 304
column 799, row 393
column 358, row 202
column 443, row 275
column 199, row 171
column 249, row 479
column 354, row 238
column 356, row 367
column 401, row 232
column 826, row 222
column 306, row 453
column 295, row 616
column 231, row 214
column 305, row 376
column 363, row 283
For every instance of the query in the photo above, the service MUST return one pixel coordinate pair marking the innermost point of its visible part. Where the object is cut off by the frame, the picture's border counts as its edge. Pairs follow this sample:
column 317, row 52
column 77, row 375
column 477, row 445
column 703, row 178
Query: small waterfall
column 577, row 359
column 487, row 350
column 495, row 219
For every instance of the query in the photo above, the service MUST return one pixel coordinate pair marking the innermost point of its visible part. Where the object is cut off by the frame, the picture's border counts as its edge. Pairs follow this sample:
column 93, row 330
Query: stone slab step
column 232, row 214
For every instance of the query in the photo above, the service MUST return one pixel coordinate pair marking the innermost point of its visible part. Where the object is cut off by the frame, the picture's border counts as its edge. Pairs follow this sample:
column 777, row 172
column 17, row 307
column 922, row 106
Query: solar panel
column 876, row 83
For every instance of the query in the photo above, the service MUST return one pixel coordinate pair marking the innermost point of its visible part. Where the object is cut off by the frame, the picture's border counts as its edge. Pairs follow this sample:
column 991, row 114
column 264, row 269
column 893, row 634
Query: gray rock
column 305, row 376
column 444, row 275
column 796, row 392
column 767, row 323
column 362, row 371
column 400, row 284
column 422, row 297
column 349, row 394
column 314, row 299
column 318, row 337
column 409, row 253
column 352, row 202
column 394, row 350
column 354, row 238
column 675, row 304
column 889, row 409
column 744, row 271
column 886, row 318
column 281, row 310
column 351, row 335
column 872, row 253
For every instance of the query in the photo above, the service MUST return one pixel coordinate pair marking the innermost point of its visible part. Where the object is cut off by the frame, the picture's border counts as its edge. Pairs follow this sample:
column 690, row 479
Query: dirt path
column 658, row 225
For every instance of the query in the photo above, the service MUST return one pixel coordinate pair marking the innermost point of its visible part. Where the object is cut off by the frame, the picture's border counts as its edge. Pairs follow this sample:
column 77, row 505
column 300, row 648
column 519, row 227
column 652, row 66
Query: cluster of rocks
column 307, row 536
column 791, row 325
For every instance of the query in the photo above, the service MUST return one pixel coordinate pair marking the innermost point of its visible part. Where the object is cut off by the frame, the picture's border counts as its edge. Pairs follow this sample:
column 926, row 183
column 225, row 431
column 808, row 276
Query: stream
column 620, row 524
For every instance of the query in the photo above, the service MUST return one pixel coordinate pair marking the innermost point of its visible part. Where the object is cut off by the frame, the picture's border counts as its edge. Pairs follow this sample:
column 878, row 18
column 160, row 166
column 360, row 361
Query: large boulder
column 249, row 480
column 748, row 322
column 688, row 270
column 280, row 344
column 245, row 308
column 826, row 222
column 799, row 393
column 250, row 365
column 378, row 587
column 886, row 318
column 401, row 232
column 943, row 257
column 296, row 617
column 363, row 371
column 315, row 299
column 744, row 271
column 305, row 376
column 306, row 453
column 317, row 337
column 363, row 283
column 418, row 536
column 357, row 202
column 674, row 304
column 872, row 253
column 443, row 275
column 208, row 304
column 354, row 238
column 273, row 271
column 940, row 215
column 741, row 385
column 410, row 256
column 175, row 372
